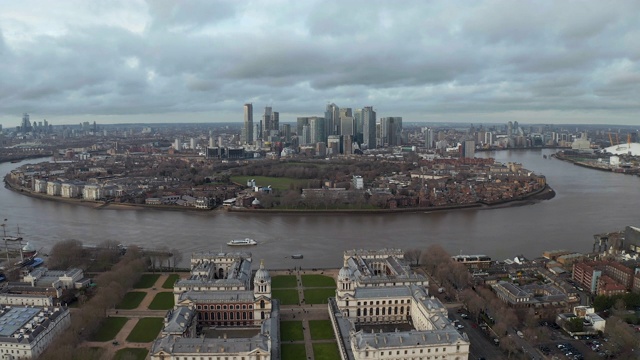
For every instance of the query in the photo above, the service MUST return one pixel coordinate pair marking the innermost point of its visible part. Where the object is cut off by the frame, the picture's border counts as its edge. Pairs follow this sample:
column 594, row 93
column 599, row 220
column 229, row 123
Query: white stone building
column 54, row 188
column 377, row 289
column 40, row 186
column 92, row 192
column 25, row 300
column 219, row 295
column 26, row 332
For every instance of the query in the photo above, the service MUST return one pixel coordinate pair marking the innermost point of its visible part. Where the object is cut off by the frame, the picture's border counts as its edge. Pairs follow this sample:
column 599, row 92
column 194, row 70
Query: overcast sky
column 199, row 61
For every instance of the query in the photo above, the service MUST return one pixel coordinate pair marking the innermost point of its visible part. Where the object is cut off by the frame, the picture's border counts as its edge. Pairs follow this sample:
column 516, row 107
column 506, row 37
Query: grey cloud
column 427, row 58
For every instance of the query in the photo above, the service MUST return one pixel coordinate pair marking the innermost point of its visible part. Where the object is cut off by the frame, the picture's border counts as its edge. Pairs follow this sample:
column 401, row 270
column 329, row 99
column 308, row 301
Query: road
column 481, row 344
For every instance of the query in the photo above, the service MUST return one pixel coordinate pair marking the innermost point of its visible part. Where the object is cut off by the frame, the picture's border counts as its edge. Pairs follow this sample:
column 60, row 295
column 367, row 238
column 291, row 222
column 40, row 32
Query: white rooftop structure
column 624, row 149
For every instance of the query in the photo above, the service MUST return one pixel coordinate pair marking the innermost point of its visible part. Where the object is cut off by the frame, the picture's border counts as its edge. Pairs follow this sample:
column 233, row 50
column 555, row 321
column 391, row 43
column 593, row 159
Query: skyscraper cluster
column 340, row 129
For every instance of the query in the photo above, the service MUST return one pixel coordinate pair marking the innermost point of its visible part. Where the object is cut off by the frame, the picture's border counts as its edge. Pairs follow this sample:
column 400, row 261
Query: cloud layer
column 536, row 62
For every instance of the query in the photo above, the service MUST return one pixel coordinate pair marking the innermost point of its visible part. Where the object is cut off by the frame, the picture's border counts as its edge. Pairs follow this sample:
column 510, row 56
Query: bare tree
column 66, row 254
column 413, row 256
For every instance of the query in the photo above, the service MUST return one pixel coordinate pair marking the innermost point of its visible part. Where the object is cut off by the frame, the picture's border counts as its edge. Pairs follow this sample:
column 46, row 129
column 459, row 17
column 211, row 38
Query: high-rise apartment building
column 428, row 138
column 247, row 130
column 369, row 127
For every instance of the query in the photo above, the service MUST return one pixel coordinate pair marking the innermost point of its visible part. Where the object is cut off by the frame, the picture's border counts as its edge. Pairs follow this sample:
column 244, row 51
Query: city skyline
column 160, row 62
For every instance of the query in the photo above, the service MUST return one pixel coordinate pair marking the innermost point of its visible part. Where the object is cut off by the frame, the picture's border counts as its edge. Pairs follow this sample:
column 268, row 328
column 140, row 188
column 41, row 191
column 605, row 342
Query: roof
column 15, row 318
column 179, row 346
column 363, row 340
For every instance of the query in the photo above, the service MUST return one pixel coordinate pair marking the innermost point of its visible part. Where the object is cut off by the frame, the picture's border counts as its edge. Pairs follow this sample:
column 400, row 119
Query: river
column 587, row 202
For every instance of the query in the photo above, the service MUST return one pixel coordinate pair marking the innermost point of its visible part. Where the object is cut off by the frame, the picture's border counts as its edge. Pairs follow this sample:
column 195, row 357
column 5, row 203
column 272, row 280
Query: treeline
column 481, row 302
column 337, row 171
column 111, row 287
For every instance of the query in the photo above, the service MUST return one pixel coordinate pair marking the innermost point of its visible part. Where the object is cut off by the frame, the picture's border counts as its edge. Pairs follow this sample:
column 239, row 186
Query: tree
column 574, row 325
column 413, row 256
column 66, row 254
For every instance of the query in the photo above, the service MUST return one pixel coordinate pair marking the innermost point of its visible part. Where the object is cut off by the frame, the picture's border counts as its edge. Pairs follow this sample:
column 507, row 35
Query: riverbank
column 545, row 193
column 599, row 167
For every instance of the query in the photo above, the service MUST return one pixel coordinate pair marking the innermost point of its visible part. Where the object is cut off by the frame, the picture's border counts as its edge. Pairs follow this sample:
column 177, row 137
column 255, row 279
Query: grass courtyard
column 318, row 296
column 146, row 330
column 294, row 352
column 162, row 301
column 326, row 351
column 109, row 329
column 131, row 300
column 321, row 330
column 318, row 281
column 168, row 284
column 286, row 296
column 146, row 281
column 283, row 282
column 291, row 331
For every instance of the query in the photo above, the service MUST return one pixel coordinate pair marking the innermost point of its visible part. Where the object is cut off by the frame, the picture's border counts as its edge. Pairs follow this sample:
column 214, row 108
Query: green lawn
column 294, row 352
column 318, row 296
column 162, row 301
column 168, row 284
column 286, row 296
column 131, row 353
column 131, row 300
column 318, row 281
column 146, row 330
column 326, row 351
column 321, row 330
column 291, row 330
column 109, row 328
column 283, row 281
column 146, row 281
column 276, row 183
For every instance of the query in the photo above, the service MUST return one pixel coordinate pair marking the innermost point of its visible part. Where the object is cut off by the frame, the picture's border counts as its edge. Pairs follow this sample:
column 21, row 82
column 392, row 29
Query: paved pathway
column 133, row 317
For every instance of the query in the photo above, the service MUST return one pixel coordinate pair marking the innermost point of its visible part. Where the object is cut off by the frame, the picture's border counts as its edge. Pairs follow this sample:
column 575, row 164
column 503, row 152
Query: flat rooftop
column 15, row 318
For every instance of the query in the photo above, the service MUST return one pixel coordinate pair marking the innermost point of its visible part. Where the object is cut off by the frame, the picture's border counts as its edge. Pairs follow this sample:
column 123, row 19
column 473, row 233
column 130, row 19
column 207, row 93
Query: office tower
column 334, row 144
column 266, row 124
column 257, row 130
column 344, row 113
column 192, row 143
column 247, row 130
column 347, row 126
column 305, row 135
column 26, row 124
column 369, row 127
column 177, row 144
column 300, row 122
column 316, row 129
column 285, row 132
column 275, row 121
column 347, row 144
column 357, row 118
column 331, row 116
column 391, row 131
column 211, row 142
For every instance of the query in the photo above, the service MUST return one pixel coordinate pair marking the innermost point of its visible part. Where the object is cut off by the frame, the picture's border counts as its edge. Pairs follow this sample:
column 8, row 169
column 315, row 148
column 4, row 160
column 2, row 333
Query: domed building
column 218, row 295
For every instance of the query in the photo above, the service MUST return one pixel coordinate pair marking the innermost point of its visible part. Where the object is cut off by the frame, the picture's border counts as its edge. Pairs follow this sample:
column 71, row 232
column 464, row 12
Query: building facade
column 376, row 289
